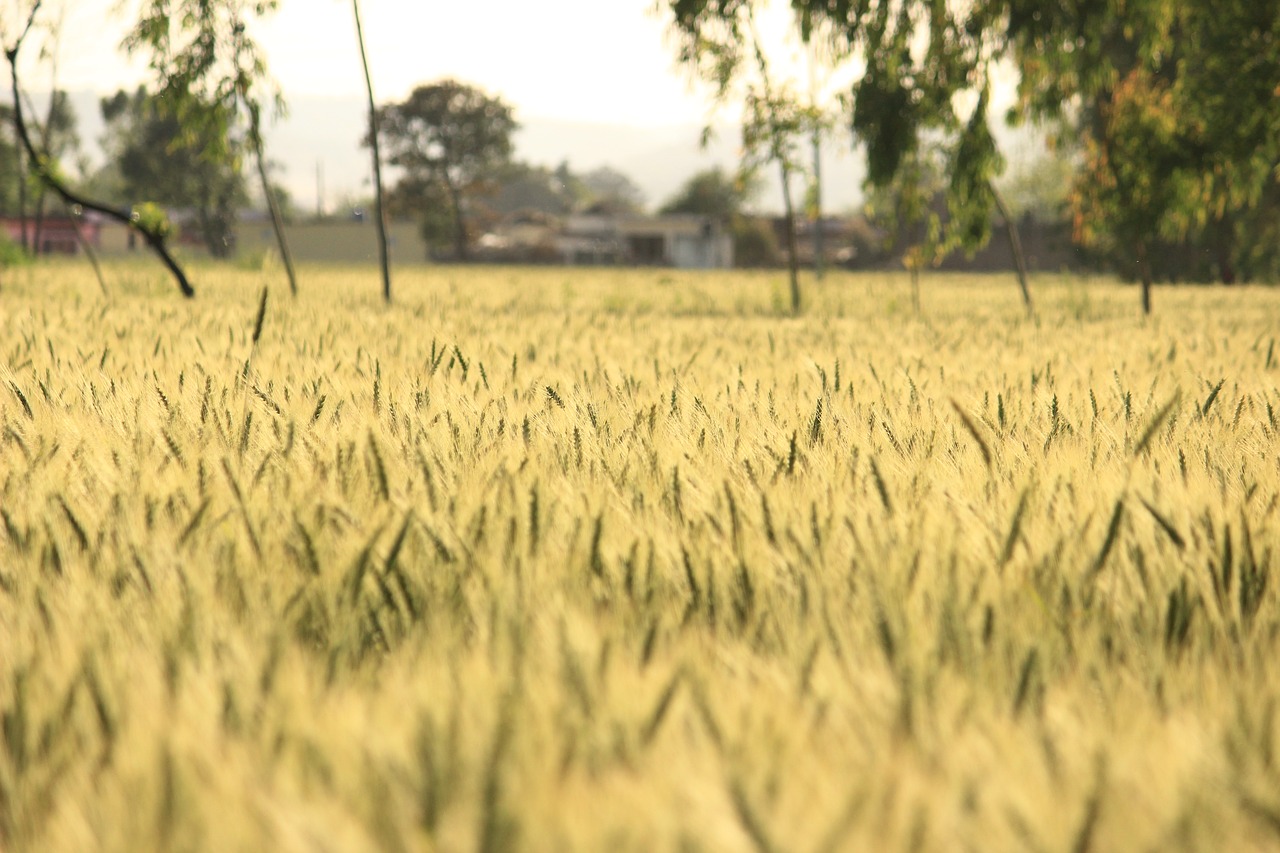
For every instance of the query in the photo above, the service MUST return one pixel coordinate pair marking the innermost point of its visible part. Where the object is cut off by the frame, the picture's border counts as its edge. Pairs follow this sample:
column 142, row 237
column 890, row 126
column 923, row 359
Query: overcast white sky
column 593, row 60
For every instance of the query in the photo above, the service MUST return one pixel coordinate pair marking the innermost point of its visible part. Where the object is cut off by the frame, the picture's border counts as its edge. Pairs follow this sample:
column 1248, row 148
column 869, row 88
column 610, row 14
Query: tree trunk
column 459, row 222
column 819, row 250
column 273, row 207
column 380, row 215
column 789, row 220
column 1015, row 246
column 24, row 166
column 87, row 247
column 46, row 134
column 1224, row 240
column 37, row 242
column 1144, row 270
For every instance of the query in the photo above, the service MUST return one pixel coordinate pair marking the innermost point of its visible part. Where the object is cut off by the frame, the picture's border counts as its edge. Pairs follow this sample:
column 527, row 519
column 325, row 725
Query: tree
column 427, row 200
column 1198, row 82
column 145, row 221
column 11, row 171
column 908, row 210
column 522, row 187
column 159, row 163
column 712, row 193
column 58, row 140
column 210, row 75
column 610, row 191
column 926, row 74
column 451, row 133
column 720, row 42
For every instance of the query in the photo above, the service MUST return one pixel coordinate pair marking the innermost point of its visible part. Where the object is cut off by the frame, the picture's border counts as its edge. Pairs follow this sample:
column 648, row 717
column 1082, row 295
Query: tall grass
column 581, row 561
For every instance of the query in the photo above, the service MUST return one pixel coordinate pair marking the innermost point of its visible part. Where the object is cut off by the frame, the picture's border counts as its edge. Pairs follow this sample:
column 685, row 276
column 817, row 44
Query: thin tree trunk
column 24, row 166
column 819, row 249
column 789, row 218
column 779, row 153
column 154, row 239
column 1224, row 237
column 459, row 223
column 380, row 215
column 46, row 134
column 1144, row 269
column 1015, row 245
column 273, row 207
column 37, row 241
column 88, row 250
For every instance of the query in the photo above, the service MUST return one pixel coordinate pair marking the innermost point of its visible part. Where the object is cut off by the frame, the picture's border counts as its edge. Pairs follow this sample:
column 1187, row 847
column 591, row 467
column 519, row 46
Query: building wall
column 57, row 234
column 334, row 242
column 697, row 252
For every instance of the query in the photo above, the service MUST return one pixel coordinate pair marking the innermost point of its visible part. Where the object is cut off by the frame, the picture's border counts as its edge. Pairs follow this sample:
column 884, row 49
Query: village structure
column 584, row 239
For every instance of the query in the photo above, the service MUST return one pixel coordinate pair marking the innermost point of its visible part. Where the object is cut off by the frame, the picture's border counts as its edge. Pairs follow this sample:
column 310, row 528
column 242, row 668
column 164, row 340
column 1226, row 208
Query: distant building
column 684, row 242
column 53, row 235
column 335, row 241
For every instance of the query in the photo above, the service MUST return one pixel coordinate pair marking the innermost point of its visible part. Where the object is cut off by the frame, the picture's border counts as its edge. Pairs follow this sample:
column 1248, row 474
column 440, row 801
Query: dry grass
column 551, row 560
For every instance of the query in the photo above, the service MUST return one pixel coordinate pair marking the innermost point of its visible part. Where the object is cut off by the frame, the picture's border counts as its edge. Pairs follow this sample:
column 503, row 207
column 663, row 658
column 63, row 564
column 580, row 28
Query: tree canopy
column 450, row 135
column 1175, row 105
column 1177, row 108
column 157, row 162
column 713, row 193
column 211, row 75
column 608, row 190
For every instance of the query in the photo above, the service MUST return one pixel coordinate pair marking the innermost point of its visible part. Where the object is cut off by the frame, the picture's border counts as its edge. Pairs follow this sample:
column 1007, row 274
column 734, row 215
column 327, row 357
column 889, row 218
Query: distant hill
column 326, row 132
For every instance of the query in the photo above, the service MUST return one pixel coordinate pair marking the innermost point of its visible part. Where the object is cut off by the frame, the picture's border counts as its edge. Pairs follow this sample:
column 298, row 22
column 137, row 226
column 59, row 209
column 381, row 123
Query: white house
column 684, row 241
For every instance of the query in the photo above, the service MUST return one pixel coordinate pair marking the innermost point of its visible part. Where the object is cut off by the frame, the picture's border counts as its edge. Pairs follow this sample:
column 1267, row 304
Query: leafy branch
column 153, row 232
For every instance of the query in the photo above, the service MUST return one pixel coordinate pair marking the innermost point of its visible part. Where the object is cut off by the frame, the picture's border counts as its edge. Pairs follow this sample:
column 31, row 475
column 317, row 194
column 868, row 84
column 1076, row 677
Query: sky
column 583, row 60
column 576, row 72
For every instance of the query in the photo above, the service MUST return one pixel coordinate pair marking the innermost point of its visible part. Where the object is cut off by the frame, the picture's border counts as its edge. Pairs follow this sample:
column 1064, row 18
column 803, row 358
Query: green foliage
column 1179, row 115
column 156, row 160
column 425, row 199
column 909, row 209
column 719, row 41
column 1041, row 186
column 11, row 254
column 754, row 242
column 209, row 72
column 519, row 186
column 885, row 117
column 151, row 217
column 1211, row 187
column 448, row 135
column 605, row 189
column 975, row 163
column 55, row 138
column 713, row 193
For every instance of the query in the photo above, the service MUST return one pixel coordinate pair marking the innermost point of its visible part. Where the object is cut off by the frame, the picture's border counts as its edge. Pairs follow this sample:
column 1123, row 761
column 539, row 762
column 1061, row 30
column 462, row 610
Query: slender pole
column 380, row 218
column 778, row 146
column 273, row 207
column 89, row 251
column 24, row 168
column 819, row 249
column 789, row 217
column 1015, row 245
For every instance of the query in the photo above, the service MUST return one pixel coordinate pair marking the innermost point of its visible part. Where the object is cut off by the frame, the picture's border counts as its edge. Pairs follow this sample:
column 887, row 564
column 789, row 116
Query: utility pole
column 319, row 189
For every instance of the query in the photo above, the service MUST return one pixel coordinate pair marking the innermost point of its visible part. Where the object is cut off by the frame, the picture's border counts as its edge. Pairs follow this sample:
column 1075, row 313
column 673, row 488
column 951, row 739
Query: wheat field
column 591, row 560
